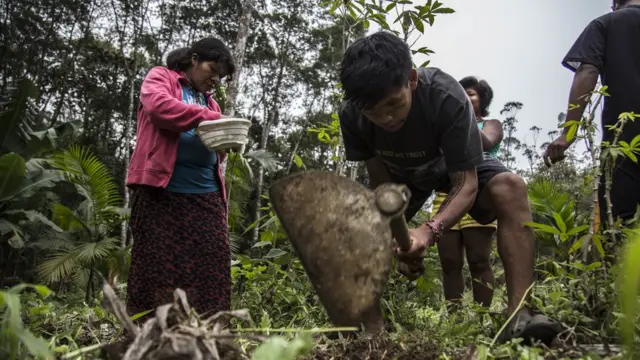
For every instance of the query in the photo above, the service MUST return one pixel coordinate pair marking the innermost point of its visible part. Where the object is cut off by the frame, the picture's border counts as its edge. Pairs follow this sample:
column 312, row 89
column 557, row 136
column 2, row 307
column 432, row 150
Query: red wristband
column 436, row 228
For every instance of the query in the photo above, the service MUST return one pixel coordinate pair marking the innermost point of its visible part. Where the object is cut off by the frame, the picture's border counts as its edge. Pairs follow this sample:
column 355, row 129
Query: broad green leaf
column 569, row 123
column 260, row 244
column 577, row 230
column 298, row 161
column 11, row 301
column 417, row 22
column 390, row 7
column 12, row 174
column 571, row 134
column 274, row 253
column 12, row 119
column 628, row 281
column 278, row 348
column 35, row 345
column 598, row 244
column 542, row 227
column 443, row 11
column 35, row 216
column 560, row 223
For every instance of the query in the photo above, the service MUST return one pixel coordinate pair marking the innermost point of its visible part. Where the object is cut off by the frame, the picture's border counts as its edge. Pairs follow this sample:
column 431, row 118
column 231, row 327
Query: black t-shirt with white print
column 611, row 43
column 440, row 134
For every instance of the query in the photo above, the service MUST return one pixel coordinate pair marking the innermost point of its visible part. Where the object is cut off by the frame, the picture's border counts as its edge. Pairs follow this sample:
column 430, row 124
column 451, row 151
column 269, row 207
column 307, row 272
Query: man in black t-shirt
column 417, row 127
column 610, row 47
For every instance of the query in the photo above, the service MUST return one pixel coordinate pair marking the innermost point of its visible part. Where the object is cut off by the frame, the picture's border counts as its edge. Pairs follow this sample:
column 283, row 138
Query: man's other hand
column 555, row 151
column 411, row 271
column 421, row 239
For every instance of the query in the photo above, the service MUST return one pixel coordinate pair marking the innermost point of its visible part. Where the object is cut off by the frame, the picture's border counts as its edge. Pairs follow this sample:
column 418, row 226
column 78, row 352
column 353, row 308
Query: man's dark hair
column 619, row 3
column 373, row 66
column 483, row 89
column 207, row 49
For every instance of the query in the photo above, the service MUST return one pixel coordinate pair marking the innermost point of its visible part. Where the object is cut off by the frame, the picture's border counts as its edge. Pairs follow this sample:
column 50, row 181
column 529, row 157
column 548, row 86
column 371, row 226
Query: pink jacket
column 162, row 116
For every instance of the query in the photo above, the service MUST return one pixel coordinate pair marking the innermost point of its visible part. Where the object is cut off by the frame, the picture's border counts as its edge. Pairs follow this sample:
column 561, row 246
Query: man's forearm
column 459, row 200
column 584, row 82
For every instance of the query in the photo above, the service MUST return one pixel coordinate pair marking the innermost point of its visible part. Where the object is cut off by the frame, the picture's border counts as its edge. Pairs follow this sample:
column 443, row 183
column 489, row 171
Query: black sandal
column 532, row 329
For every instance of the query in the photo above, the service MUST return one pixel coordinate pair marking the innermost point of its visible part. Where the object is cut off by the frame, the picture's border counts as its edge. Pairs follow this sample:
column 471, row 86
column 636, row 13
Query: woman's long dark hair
column 207, row 49
column 484, row 90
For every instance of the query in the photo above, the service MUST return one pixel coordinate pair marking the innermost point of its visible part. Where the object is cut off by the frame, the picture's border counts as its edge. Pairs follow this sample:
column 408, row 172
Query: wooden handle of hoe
column 401, row 231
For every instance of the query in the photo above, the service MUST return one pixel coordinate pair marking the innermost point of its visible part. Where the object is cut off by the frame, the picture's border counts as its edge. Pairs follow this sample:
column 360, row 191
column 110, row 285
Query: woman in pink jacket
column 178, row 206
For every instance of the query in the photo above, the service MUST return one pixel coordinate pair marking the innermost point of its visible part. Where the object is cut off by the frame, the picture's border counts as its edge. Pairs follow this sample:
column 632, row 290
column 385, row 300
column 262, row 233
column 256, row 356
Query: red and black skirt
column 179, row 241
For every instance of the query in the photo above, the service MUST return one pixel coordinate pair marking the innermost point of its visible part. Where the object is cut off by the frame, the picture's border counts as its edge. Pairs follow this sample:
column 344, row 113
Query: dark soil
column 381, row 347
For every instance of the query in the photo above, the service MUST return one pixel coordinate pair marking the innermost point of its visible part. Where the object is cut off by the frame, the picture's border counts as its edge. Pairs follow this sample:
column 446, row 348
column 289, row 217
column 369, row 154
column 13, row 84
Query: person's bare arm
column 464, row 188
column 378, row 174
column 491, row 134
column 584, row 82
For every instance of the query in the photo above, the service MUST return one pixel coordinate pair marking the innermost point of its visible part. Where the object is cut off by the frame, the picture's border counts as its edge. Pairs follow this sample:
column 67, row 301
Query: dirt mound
column 380, row 347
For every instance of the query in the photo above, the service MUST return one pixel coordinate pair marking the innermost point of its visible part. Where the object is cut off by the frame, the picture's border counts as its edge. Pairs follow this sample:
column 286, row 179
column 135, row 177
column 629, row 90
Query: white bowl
column 227, row 133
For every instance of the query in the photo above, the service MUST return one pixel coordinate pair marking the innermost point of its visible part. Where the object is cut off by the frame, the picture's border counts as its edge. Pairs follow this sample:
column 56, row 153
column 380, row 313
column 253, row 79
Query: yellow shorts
column 466, row 222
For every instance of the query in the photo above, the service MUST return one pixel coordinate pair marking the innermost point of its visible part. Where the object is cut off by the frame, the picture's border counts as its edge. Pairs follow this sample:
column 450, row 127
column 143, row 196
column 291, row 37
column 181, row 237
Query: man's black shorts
column 489, row 168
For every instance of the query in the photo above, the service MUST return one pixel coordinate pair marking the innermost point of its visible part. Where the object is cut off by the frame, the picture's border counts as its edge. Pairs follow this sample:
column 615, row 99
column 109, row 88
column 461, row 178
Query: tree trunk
column 127, row 149
column 271, row 117
column 131, row 73
column 239, row 54
column 260, row 181
column 293, row 153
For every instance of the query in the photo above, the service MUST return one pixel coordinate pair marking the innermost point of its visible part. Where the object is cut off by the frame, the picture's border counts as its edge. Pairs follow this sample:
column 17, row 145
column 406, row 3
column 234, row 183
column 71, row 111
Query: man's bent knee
column 507, row 190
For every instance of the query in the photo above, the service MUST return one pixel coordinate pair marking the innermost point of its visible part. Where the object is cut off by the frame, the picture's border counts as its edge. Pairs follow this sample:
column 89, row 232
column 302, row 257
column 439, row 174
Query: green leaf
column 443, row 11
column 141, row 314
column 628, row 281
column 542, row 227
column 390, row 7
column 11, row 301
column 560, row 223
column 35, row 345
column 278, row 348
column 578, row 243
column 275, row 253
column 598, row 244
column 577, row 229
column 35, row 216
column 298, row 161
column 12, row 174
column 418, row 23
column 260, row 244
column 13, row 118
column 571, row 134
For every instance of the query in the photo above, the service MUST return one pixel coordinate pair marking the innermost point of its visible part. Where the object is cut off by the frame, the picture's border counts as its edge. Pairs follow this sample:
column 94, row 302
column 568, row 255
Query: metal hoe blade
column 340, row 230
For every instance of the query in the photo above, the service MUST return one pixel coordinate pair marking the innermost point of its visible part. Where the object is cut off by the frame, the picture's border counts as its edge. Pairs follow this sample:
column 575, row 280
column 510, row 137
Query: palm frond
column 264, row 158
column 119, row 262
column 92, row 178
column 54, row 241
column 93, row 252
column 81, row 277
column 235, row 242
column 66, row 219
column 58, row 266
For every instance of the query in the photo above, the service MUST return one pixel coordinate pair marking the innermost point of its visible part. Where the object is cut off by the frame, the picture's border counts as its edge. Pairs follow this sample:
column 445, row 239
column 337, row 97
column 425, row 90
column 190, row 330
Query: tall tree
column 510, row 143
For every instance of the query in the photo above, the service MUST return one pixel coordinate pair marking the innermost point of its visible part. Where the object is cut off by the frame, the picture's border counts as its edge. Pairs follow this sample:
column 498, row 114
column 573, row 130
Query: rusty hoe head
column 340, row 231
